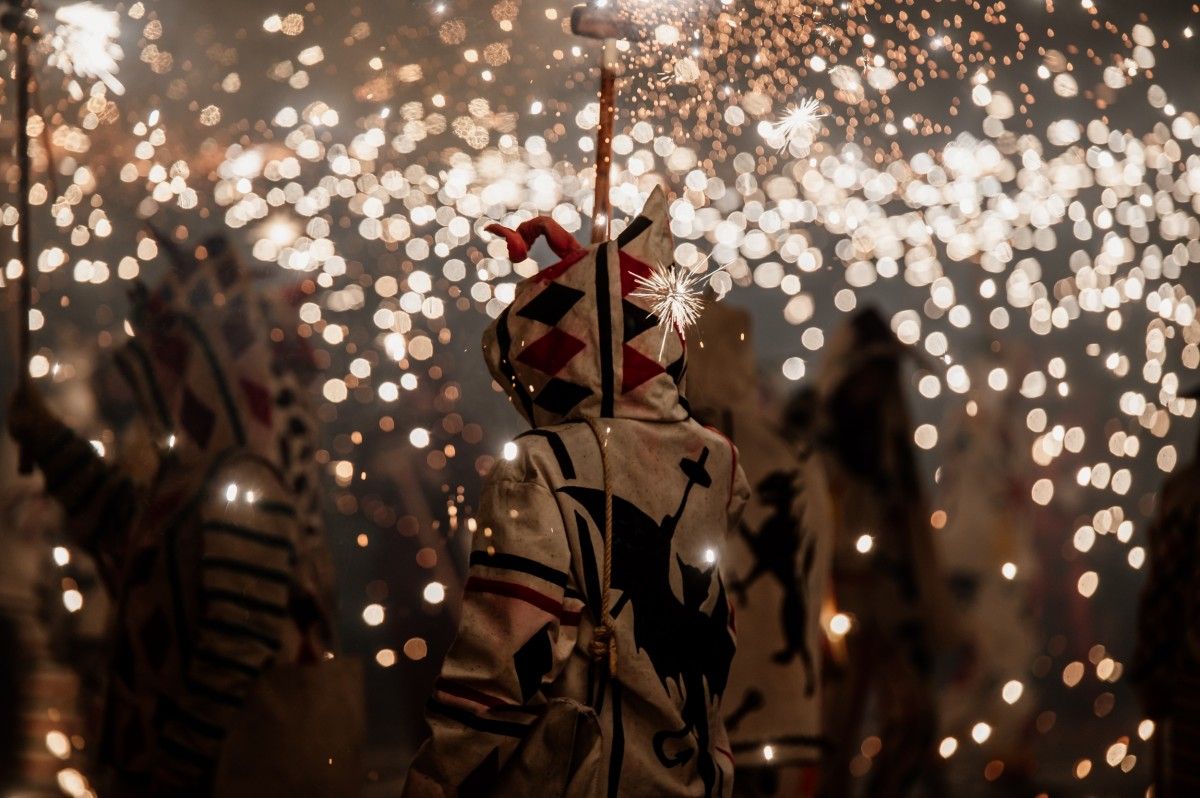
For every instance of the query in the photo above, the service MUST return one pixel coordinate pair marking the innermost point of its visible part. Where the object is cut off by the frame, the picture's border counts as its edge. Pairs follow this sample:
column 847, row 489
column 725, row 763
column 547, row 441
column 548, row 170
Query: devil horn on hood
column 518, row 250
column 521, row 239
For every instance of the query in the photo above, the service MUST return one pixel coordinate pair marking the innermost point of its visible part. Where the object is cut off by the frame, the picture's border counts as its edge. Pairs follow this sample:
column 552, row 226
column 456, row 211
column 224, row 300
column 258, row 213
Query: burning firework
column 798, row 120
column 83, row 44
column 675, row 296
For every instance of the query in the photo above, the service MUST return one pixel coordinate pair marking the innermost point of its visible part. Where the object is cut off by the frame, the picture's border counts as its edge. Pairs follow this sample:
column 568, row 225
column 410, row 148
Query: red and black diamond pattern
column 575, row 340
column 210, row 349
column 552, row 352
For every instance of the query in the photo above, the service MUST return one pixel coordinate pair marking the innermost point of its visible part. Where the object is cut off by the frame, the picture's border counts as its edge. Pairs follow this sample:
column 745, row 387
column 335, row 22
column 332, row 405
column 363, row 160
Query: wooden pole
column 604, row 23
column 24, row 77
column 602, row 204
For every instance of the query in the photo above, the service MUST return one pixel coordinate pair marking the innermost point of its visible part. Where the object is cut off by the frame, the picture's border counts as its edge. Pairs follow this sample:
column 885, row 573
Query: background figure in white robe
column 777, row 569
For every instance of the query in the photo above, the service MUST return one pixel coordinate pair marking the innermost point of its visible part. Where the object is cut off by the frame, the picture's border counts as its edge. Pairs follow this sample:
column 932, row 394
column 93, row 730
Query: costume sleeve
column 487, row 695
column 98, row 499
column 248, row 537
column 1162, row 612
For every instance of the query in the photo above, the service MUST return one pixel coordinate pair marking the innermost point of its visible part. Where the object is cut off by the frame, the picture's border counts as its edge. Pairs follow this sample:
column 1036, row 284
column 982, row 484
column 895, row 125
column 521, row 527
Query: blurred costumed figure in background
column 22, row 510
column 1166, row 663
column 886, row 575
column 222, row 678
column 596, row 633
column 37, row 696
column 987, row 550
column 776, row 568
column 58, row 609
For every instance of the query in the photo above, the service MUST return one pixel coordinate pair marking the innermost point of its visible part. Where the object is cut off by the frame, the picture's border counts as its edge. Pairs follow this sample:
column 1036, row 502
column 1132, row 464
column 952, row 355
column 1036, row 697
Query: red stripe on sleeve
column 497, row 587
column 459, row 690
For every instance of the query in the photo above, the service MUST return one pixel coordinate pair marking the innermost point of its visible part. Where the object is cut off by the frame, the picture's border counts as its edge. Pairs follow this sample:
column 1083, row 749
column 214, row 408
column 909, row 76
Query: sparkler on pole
column 15, row 19
column 599, row 20
column 83, row 46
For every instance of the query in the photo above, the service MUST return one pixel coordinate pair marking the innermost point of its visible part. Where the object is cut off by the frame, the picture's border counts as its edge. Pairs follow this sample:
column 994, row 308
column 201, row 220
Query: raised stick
column 15, row 21
column 602, row 23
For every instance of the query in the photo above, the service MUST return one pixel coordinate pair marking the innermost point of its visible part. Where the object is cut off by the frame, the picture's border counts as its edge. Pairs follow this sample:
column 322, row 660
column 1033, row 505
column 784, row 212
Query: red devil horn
column 518, row 250
column 521, row 239
column 562, row 242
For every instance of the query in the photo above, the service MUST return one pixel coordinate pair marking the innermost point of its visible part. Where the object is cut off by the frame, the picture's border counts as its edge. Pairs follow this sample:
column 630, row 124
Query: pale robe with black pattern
column 776, row 566
column 574, row 344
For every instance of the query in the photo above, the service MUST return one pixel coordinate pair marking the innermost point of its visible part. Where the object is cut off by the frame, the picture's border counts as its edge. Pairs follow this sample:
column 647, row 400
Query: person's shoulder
column 544, row 454
column 712, row 436
column 248, row 477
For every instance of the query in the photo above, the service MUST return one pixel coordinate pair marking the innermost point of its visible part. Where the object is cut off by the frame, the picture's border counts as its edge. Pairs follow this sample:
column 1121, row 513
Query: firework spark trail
column 84, row 44
column 798, row 120
column 675, row 296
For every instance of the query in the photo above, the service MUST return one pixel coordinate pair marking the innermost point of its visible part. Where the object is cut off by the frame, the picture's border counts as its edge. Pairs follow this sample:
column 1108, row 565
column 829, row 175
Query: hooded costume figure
column 578, row 356
column 776, row 567
column 889, row 582
column 218, row 566
column 1165, row 668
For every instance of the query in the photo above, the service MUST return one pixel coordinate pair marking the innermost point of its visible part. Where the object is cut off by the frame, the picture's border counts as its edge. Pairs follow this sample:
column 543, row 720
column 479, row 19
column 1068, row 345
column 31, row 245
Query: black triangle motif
column 560, row 396
column 678, row 368
column 637, row 320
column 533, row 661
column 551, row 304
column 635, row 229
